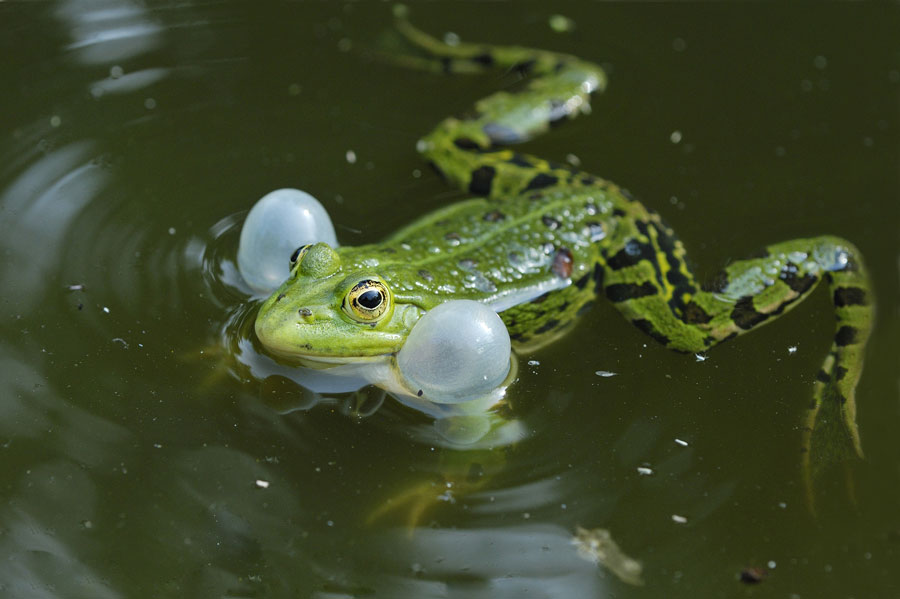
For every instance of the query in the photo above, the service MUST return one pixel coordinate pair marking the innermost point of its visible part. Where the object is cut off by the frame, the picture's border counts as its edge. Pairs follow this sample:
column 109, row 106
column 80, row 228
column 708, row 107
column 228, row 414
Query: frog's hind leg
column 469, row 150
column 650, row 283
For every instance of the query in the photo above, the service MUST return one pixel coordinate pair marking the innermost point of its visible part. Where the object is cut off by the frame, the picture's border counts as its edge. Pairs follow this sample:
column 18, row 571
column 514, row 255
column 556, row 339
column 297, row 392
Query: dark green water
column 136, row 137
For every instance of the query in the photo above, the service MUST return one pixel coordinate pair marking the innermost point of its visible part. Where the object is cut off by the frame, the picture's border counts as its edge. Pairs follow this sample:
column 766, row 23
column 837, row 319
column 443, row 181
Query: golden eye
column 367, row 301
column 298, row 254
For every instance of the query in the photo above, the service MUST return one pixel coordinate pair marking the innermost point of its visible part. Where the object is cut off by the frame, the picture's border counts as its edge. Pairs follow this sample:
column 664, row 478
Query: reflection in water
column 43, row 202
column 108, row 30
column 494, row 563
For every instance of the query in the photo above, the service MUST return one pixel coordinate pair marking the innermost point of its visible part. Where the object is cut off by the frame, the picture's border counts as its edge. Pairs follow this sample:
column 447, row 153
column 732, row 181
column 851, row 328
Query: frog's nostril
column 305, row 313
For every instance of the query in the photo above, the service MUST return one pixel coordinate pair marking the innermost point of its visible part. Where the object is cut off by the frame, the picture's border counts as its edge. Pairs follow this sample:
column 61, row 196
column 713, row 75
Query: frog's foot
column 468, row 150
column 412, row 503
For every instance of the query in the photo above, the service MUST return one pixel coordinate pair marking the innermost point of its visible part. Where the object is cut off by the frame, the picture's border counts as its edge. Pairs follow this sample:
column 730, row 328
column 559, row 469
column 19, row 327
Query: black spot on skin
column 426, row 275
column 839, row 372
column 585, row 308
column 745, row 315
column 822, row 377
column 464, row 143
column 541, row 298
column 582, row 282
column 547, row 326
column 694, row 314
column 841, row 399
column 799, row 284
column 483, row 59
column 447, row 64
column 633, row 252
column 627, row 195
column 618, row 212
column 647, row 327
column 846, row 335
column 620, row 292
column 677, row 279
column 562, row 263
column 419, row 393
column 850, row 296
column 517, row 336
column 562, row 306
column 494, row 216
column 550, row 222
column 717, row 284
column 559, row 66
column 598, row 274
column 541, row 180
column 304, row 312
column 280, row 297
column 520, row 160
column 524, row 67
column 482, row 179
column 452, row 237
column 588, row 180
column 729, row 337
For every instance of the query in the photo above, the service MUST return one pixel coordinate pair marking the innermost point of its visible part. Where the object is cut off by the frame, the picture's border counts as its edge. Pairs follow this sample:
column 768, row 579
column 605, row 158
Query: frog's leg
column 468, row 150
column 648, row 280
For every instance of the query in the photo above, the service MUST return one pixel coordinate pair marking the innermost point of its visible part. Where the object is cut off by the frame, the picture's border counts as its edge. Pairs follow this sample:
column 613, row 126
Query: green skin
column 544, row 226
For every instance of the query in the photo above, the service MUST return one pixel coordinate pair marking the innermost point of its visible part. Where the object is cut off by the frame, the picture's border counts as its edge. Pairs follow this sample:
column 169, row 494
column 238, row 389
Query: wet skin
column 543, row 241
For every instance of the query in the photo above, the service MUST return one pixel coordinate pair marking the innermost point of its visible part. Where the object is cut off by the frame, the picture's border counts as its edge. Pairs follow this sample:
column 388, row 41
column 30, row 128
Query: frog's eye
column 298, row 254
column 367, row 301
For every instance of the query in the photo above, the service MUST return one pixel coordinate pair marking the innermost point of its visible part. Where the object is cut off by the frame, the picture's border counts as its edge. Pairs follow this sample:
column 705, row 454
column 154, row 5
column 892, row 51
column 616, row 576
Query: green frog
column 540, row 242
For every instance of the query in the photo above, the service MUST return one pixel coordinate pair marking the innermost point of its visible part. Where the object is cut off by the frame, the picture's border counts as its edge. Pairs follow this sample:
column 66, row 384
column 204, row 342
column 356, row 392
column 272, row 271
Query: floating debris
column 75, row 287
column 605, row 373
column 679, row 519
column 701, row 357
column 597, row 546
column 644, row 471
column 752, row 575
column 262, row 484
column 792, row 350
column 680, row 442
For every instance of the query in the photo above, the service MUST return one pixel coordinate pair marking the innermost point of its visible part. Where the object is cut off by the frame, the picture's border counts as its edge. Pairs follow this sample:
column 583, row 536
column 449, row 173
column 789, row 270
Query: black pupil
column 296, row 253
column 370, row 300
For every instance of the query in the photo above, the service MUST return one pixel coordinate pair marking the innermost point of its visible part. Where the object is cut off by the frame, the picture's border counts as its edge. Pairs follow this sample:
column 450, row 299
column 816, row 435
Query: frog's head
column 324, row 312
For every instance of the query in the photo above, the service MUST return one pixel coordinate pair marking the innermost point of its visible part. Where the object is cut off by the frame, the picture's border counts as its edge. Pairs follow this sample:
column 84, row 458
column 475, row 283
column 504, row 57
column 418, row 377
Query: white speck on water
column 345, row 44
column 55, row 121
column 573, row 159
column 262, row 484
column 105, row 310
column 679, row 45
column 605, row 373
column 150, row 103
column 451, row 39
column 701, row 357
column 294, row 89
column 675, row 137
column 782, row 505
column 416, row 173
column 350, row 156
column 116, row 71
column 330, row 523
column 644, row 471
column 680, row 442
column 820, row 62
column 771, row 563
column 792, row 350
column 157, row 445
column 533, row 363
column 171, row 230
column 526, row 515
column 679, row 519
